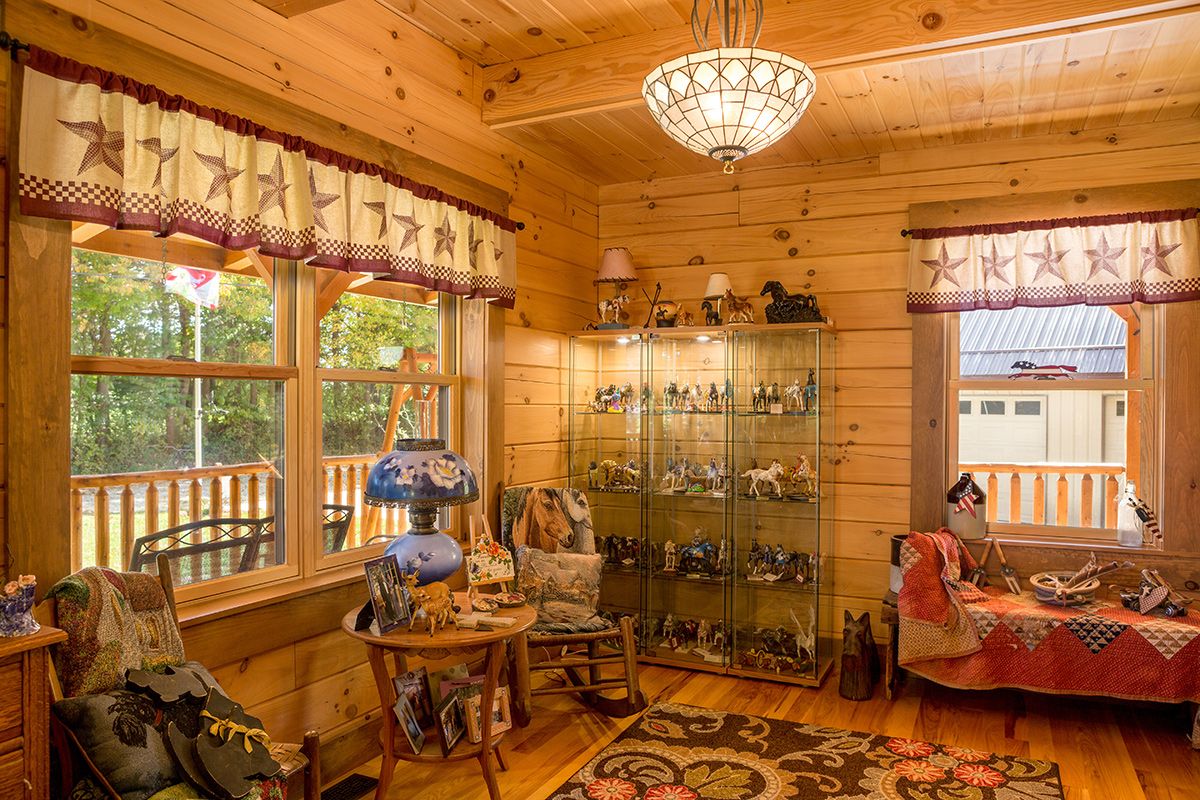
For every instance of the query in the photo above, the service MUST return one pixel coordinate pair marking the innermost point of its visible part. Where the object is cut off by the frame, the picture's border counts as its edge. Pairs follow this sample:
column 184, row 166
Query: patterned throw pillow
column 122, row 734
column 115, row 621
column 564, row 589
column 553, row 520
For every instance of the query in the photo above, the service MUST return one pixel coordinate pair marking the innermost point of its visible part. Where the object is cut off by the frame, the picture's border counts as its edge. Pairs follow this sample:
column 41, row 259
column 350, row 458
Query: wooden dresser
column 25, row 715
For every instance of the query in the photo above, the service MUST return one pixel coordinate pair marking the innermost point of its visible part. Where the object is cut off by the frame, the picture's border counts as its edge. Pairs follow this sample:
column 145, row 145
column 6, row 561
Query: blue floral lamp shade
column 425, row 476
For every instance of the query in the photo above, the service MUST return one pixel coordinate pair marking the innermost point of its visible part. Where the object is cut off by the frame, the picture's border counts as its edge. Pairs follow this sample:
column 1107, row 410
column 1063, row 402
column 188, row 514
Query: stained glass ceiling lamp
column 730, row 101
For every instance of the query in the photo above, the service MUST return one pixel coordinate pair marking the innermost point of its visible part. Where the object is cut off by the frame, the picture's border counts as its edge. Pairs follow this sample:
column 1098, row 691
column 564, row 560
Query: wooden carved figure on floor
column 860, row 658
column 738, row 309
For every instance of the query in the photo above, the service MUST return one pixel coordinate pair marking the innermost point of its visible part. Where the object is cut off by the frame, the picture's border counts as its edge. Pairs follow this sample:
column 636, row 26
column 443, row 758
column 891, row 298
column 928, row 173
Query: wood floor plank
column 1105, row 750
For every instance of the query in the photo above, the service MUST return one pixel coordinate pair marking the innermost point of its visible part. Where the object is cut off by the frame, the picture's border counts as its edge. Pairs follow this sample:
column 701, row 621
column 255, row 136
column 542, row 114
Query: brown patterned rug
column 677, row 752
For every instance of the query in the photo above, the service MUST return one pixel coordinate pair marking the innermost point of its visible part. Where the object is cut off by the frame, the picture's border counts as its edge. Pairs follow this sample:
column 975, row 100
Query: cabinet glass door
column 607, row 408
column 687, row 480
column 780, row 384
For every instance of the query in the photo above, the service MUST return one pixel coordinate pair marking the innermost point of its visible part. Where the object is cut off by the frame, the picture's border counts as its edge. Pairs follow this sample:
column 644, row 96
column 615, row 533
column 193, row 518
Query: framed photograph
column 471, row 683
column 408, row 721
column 389, row 595
column 449, row 719
column 501, row 714
column 414, row 685
column 437, row 677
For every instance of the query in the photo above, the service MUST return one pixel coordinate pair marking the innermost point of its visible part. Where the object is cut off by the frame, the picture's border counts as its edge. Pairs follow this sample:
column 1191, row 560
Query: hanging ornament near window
column 729, row 101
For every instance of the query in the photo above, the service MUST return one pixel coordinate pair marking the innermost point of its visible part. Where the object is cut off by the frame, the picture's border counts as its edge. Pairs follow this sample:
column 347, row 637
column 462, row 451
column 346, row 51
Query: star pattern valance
column 100, row 147
column 1151, row 257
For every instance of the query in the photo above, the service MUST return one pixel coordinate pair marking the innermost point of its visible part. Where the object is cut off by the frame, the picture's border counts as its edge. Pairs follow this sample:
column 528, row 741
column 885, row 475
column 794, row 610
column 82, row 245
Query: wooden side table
column 402, row 644
column 25, row 711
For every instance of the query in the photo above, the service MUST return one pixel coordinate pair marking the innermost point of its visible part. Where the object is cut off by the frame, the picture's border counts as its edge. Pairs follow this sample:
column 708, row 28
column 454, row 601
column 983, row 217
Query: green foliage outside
column 132, row 424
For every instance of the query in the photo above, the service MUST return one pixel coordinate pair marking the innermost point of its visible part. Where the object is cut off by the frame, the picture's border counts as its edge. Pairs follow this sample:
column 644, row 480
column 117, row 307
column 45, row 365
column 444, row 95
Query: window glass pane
column 155, row 460
column 138, row 308
column 379, row 325
column 964, row 406
column 361, row 421
column 1090, row 340
column 991, row 407
column 1027, row 408
column 1120, row 408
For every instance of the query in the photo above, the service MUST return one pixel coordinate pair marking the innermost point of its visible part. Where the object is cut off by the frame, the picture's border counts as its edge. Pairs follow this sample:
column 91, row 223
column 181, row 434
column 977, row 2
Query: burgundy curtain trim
column 1171, row 215
column 68, row 69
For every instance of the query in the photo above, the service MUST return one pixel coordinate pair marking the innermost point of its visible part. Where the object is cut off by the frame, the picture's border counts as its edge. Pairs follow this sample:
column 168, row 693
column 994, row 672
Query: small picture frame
column 409, row 723
column 501, row 714
column 449, row 721
column 437, row 677
column 414, row 685
column 389, row 595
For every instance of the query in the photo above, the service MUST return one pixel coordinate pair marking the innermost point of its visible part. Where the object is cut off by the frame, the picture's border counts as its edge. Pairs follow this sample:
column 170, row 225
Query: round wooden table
column 401, row 644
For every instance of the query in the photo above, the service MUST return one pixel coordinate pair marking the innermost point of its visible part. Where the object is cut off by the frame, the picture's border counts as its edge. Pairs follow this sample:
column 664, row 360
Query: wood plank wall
column 834, row 229
column 362, row 66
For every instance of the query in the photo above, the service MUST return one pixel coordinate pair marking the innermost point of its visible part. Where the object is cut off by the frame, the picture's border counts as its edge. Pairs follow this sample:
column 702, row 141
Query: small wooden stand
column 402, row 644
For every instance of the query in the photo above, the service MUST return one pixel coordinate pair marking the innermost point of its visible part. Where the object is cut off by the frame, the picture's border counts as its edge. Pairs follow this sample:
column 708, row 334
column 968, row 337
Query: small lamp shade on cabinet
column 718, row 284
column 616, row 266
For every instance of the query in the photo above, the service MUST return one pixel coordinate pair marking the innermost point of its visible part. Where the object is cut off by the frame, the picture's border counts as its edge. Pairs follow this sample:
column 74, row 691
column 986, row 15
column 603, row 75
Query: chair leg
column 637, row 700
column 312, row 774
column 523, row 699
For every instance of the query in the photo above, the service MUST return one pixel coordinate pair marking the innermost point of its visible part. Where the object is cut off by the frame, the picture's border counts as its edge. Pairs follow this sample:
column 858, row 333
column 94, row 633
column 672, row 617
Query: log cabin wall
column 365, row 68
column 834, row 229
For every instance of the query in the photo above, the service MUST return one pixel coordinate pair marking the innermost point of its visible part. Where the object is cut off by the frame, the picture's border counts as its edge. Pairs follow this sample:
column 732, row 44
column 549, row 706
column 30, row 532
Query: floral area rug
column 677, row 752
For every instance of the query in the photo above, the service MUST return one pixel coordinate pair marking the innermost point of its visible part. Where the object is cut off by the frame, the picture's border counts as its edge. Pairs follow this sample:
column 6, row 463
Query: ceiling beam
column 608, row 75
column 172, row 250
column 294, row 8
column 82, row 231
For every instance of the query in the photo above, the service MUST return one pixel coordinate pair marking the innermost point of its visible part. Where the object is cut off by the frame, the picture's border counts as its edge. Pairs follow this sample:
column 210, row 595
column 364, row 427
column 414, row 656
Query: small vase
column 16, row 612
column 436, row 555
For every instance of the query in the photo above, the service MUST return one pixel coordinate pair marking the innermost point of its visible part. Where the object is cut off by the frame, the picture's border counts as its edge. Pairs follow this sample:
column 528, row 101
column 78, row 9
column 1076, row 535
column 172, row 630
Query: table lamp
column 616, row 267
column 718, row 284
column 425, row 476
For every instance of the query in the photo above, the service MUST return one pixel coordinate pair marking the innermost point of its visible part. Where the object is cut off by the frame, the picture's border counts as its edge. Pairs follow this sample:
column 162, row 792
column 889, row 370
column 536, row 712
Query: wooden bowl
column 1045, row 588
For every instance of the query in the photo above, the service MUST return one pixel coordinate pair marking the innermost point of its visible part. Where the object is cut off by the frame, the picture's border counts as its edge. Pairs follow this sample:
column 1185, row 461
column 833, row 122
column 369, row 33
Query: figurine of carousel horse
column 786, row 307
column 610, row 310
column 738, row 309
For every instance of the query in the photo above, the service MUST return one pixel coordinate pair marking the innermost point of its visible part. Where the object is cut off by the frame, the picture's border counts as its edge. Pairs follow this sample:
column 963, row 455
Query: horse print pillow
column 551, row 520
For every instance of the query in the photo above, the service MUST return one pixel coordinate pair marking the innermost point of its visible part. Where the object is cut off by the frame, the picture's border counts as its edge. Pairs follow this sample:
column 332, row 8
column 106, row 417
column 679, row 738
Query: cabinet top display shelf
column 710, row 329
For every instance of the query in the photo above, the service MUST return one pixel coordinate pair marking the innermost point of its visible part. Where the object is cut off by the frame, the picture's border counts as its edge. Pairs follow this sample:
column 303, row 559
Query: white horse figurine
column 612, row 308
column 794, row 395
column 765, row 478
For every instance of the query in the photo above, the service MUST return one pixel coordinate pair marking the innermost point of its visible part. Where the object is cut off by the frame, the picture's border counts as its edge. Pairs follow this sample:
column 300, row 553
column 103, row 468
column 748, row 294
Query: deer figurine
column 435, row 599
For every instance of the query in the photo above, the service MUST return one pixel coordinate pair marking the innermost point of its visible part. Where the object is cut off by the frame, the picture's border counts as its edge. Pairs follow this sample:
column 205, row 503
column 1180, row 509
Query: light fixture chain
column 731, row 22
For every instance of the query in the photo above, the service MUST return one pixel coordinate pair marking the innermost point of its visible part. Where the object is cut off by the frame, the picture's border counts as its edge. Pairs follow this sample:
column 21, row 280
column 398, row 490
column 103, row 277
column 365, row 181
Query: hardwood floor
column 1106, row 750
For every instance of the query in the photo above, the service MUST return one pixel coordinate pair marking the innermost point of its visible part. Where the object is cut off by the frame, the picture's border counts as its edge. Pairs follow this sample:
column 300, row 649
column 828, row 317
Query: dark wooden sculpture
column 786, row 307
column 860, row 658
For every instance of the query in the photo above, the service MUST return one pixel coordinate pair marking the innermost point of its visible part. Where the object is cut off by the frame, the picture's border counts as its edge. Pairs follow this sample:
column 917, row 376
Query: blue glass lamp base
column 436, row 555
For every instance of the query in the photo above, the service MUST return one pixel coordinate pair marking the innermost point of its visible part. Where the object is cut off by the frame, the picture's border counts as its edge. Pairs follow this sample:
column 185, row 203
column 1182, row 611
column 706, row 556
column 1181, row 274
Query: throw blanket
column 115, row 621
column 932, row 604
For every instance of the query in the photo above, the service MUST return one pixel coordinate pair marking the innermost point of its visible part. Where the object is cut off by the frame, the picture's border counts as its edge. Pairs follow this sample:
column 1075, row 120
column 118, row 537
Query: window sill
column 198, row 612
column 1045, row 543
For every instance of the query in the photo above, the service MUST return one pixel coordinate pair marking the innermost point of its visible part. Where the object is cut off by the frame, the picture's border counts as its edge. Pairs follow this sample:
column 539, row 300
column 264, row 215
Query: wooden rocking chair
column 560, row 650
column 301, row 762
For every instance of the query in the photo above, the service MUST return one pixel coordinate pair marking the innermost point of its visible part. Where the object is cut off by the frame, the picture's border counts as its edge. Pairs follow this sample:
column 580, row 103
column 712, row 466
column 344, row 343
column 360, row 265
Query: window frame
column 1143, row 365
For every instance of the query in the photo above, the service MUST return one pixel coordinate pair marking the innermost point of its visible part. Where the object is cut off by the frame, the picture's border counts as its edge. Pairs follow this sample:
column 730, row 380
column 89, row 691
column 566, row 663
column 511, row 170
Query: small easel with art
column 490, row 563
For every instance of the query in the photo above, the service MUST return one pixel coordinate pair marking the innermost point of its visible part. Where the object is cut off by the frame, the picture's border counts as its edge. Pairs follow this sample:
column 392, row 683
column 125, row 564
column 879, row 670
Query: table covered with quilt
column 963, row 637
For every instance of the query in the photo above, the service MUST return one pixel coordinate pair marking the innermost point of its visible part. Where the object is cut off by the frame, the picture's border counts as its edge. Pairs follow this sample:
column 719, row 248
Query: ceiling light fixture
column 729, row 101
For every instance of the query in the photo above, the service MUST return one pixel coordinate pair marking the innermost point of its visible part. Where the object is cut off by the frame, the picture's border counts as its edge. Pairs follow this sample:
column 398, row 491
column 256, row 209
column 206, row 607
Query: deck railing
column 109, row 512
column 1075, row 486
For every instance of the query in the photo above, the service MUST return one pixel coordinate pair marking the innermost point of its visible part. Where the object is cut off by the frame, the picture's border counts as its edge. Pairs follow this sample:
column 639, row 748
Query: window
column 964, row 406
column 189, row 420
column 1061, row 393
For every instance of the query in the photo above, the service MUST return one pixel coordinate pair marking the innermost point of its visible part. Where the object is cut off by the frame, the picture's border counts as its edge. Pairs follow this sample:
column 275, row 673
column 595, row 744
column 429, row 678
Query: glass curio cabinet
column 707, row 457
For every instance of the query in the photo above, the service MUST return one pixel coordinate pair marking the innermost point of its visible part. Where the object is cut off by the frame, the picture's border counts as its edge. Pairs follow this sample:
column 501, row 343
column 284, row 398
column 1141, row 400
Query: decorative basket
column 16, row 607
column 1046, row 587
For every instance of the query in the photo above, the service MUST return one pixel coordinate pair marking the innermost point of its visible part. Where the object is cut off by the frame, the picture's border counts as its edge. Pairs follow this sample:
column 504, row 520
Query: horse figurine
column 612, row 308
column 684, row 319
column 793, row 396
column 860, row 658
column 711, row 316
column 758, row 398
column 670, row 395
column 738, row 309
column 786, row 307
column 768, row 479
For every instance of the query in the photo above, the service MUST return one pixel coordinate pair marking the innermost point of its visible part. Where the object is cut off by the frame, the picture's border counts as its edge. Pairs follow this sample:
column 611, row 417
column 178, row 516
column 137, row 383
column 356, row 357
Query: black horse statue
column 711, row 317
column 786, row 307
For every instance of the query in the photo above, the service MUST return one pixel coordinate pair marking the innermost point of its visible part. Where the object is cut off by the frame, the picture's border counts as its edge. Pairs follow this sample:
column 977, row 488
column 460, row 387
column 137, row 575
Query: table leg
column 891, row 667
column 495, row 654
column 500, row 759
column 383, row 684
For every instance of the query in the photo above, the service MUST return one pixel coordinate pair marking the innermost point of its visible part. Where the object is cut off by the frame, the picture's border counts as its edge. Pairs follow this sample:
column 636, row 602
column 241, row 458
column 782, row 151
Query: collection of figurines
column 700, row 558
column 764, row 563
column 712, row 479
column 700, row 637
column 687, row 477
column 780, row 650
column 620, row 552
column 730, row 308
column 696, row 398
column 795, row 398
column 614, row 476
column 611, row 400
column 798, row 482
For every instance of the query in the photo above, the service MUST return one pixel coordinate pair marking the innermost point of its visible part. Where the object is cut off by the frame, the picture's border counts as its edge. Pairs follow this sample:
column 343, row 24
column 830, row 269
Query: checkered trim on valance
column 98, row 147
column 1150, row 257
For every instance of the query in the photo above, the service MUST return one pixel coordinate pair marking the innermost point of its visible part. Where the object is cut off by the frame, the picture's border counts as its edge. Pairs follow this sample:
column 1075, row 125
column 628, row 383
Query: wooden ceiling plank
column 1123, row 64
column 853, row 92
column 1077, row 80
column 890, row 86
column 964, row 96
column 1002, row 72
column 543, row 16
column 809, row 135
column 828, row 113
column 932, row 105
column 82, row 231
column 559, row 84
column 1042, row 63
column 293, row 8
column 1169, row 64
column 1185, row 95
column 646, row 142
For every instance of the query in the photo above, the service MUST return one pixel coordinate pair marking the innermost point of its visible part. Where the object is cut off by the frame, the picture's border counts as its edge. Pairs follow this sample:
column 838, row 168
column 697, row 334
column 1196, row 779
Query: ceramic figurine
column 16, row 607
column 793, row 396
column 712, row 317
column 773, row 397
column 435, row 599
column 721, row 558
column 684, row 319
column 765, row 479
column 786, row 307
column 670, row 395
column 758, row 398
column 806, row 641
column 669, row 556
column 667, row 630
column 803, row 477
column 699, row 557
column 718, row 635
column 810, row 393
column 610, row 310
column 738, row 309
column 712, row 398
column 704, row 634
